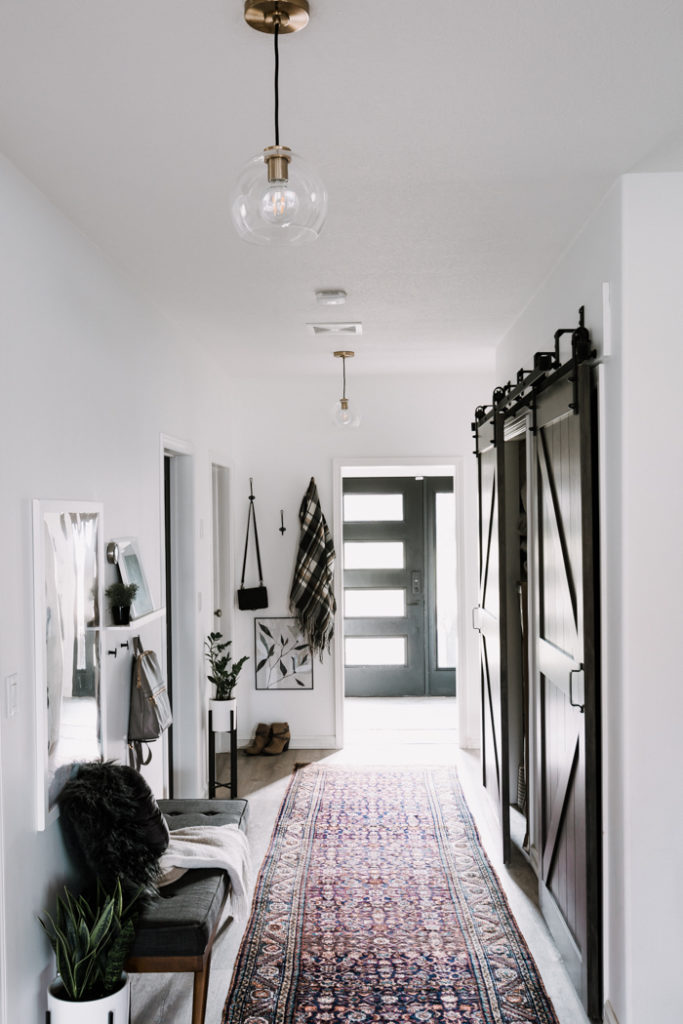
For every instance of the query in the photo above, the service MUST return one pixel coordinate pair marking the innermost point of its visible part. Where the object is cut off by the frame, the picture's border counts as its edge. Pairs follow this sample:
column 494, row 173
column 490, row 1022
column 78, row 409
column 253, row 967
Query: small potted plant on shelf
column 91, row 941
column 121, row 597
column 223, row 675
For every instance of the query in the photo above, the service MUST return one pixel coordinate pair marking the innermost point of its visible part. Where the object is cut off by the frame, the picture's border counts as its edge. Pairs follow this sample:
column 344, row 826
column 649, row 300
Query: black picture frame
column 282, row 656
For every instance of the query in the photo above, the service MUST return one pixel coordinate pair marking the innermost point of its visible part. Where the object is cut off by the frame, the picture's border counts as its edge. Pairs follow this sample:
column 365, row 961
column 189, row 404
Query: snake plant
column 91, row 942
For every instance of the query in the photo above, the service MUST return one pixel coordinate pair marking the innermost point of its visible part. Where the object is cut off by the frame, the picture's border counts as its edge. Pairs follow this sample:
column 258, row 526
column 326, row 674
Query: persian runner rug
column 376, row 903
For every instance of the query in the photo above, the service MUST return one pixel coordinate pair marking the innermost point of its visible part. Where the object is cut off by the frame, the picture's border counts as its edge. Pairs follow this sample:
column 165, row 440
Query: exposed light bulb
column 344, row 415
column 276, row 201
column 279, row 204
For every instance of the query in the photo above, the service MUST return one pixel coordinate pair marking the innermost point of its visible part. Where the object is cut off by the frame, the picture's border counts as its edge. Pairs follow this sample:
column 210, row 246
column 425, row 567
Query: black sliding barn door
column 567, row 767
column 490, row 618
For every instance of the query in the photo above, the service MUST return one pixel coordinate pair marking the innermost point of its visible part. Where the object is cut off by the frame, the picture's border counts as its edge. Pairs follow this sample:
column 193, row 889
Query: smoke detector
column 330, row 296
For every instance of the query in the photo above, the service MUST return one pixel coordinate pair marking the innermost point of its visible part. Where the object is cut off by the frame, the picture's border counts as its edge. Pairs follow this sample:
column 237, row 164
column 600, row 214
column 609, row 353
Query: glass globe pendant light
column 344, row 415
column 278, row 199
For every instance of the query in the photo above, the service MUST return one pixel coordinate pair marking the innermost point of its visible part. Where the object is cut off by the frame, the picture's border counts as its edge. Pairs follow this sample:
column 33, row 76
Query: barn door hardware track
column 548, row 368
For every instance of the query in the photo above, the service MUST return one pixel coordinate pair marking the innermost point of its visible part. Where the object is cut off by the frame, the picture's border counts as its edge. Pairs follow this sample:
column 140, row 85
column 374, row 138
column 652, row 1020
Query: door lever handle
column 581, row 707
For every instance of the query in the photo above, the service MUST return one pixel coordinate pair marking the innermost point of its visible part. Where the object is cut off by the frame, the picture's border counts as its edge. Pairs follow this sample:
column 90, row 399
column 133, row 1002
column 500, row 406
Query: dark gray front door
column 390, row 629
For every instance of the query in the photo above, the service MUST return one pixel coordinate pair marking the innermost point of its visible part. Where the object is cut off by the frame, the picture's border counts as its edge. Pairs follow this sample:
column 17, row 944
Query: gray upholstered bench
column 177, row 930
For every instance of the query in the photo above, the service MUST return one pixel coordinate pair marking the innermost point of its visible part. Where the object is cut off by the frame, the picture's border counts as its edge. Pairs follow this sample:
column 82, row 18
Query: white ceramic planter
column 220, row 713
column 89, row 1011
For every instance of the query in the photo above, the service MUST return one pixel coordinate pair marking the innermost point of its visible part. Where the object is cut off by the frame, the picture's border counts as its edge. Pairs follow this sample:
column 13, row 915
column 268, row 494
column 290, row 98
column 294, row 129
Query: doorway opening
column 222, row 564
column 398, row 594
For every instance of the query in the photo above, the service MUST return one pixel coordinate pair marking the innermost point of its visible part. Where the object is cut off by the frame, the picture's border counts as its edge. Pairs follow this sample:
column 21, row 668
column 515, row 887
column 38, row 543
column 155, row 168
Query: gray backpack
column 150, row 709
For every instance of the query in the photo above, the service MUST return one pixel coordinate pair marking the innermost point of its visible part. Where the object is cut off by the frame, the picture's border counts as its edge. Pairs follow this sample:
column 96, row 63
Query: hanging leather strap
column 252, row 515
column 135, row 756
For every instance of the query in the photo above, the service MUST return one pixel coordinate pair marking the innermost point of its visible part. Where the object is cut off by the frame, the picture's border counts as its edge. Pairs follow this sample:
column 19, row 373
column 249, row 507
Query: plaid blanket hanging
column 311, row 599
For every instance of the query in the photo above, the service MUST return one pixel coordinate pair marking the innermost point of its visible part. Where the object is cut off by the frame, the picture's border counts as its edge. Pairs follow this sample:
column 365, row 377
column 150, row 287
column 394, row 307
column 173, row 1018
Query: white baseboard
column 469, row 743
column 315, row 743
column 299, row 743
column 609, row 1016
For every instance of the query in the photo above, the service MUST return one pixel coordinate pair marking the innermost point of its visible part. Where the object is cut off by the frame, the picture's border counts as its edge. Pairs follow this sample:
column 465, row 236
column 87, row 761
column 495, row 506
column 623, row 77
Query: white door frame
column 451, row 465
column 222, row 543
column 188, row 759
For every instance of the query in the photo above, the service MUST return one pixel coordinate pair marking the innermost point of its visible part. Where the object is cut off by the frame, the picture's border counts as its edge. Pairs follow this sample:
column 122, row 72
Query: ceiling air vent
column 345, row 328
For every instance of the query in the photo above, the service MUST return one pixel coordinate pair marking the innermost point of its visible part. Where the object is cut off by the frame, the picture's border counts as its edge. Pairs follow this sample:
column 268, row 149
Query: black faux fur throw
column 112, row 825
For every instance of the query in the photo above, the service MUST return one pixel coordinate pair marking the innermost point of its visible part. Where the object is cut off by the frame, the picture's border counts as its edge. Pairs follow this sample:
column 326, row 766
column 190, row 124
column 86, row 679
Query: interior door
column 566, row 654
column 490, row 619
column 383, row 587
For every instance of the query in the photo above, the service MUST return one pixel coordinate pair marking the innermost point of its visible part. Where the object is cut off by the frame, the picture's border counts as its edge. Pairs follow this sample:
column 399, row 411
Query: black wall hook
column 282, row 528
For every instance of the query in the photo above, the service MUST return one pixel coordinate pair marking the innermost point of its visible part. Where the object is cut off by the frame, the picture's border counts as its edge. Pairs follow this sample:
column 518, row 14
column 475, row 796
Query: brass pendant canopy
column 264, row 15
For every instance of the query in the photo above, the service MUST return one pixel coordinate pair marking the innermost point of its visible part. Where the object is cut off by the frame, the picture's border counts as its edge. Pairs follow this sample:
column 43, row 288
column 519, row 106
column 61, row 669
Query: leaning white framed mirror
column 67, row 568
column 132, row 571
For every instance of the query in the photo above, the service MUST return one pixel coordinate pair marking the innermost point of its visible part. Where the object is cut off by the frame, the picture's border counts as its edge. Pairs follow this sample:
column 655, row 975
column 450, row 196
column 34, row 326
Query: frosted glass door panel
column 373, row 555
column 373, row 508
column 375, row 604
column 375, row 650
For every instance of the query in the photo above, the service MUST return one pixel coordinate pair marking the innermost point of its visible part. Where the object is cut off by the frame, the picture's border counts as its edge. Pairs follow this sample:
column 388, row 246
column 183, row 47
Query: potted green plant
column 223, row 675
column 121, row 597
column 91, row 940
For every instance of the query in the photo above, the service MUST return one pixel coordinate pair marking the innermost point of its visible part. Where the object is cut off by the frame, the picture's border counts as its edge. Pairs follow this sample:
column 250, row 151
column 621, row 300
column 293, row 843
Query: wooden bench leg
column 201, row 991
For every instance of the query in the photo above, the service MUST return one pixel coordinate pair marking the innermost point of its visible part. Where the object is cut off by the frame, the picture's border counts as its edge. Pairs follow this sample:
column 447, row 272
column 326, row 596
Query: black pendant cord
column 277, row 87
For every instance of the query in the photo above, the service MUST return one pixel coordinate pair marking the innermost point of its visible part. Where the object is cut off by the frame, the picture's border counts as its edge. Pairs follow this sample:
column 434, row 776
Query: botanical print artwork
column 283, row 658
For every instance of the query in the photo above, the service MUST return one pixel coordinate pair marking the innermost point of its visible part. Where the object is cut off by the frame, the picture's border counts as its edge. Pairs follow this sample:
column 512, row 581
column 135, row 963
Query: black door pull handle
column 581, row 707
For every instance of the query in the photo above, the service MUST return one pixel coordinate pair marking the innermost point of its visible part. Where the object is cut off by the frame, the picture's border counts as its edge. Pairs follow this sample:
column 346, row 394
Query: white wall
column 90, row 379
column 412, row 417
column 652, row 570
column 633, row 243
column 592, row 261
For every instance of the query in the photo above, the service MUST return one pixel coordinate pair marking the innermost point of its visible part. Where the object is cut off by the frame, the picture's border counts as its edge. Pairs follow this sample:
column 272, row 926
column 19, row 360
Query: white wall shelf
column 158, row 613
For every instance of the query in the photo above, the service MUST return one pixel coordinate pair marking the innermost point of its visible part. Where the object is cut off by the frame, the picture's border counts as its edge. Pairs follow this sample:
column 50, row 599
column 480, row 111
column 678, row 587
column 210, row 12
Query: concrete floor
column 404, row 731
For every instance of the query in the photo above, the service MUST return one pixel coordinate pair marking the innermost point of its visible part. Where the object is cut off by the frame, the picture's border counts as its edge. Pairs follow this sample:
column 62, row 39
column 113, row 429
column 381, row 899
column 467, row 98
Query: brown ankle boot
column 280, row 740
column 262, row 737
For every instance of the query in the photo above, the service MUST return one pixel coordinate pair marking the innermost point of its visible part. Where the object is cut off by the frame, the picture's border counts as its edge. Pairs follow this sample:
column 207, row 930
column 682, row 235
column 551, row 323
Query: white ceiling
column 462, row 145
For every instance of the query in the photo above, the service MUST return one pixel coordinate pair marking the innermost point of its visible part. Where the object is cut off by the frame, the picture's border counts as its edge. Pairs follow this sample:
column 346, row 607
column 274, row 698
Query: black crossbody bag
column 250, row 598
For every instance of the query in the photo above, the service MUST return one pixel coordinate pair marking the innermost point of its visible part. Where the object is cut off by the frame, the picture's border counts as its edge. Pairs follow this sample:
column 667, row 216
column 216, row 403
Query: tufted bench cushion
column 176, row 930
column 181, row 919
